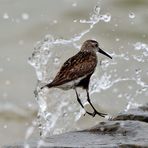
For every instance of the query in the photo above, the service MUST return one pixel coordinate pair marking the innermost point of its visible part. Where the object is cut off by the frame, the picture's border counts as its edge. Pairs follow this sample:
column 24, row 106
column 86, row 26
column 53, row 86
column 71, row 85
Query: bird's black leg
column 78, row 99
column 95, row 111
column 84, row 83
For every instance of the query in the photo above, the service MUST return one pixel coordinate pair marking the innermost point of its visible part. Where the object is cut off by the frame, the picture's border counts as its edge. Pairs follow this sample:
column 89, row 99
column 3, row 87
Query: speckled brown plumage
column 83, row 63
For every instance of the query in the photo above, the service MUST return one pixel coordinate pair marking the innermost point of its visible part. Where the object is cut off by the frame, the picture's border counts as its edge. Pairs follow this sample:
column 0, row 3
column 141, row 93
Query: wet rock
column 127, row 130
column 139, row 114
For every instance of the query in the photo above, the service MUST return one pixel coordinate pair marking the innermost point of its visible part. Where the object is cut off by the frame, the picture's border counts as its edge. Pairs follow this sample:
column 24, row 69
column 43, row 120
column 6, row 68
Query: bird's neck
column 90, row 53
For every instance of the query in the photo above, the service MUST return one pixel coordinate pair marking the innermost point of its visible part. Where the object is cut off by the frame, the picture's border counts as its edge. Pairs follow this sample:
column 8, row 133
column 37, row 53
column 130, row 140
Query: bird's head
column 92, row 45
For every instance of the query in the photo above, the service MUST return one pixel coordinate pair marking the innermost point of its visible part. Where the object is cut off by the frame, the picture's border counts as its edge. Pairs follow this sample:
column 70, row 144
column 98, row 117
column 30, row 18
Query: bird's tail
column 47, row 85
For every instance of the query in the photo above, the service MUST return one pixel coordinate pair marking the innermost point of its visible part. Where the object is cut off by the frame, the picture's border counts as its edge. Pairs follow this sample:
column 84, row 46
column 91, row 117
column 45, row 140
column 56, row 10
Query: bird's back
column 80, row 65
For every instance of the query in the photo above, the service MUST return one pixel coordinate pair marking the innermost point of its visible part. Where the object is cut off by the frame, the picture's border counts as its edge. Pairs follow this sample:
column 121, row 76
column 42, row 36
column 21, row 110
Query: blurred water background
column 116, row 86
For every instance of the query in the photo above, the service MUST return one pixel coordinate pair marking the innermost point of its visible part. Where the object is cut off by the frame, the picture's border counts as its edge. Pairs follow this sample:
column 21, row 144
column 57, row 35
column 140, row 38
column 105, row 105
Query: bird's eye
column 96, row 44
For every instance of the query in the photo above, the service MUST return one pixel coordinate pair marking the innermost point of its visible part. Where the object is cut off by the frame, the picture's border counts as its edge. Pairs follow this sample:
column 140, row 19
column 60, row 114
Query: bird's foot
column 95, row 113
column 86, row 112
column 99, row 113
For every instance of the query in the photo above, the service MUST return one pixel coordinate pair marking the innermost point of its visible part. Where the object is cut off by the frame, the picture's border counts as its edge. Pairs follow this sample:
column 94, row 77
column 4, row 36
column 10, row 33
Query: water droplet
column 29, row 105
column 75, row 21
column 56, row 61
column 131, row 15
column 21, row 42
column 7, row 82
column 48, row 38
column 29, row 132
column 55, row 21
column 117, row 39
column 74, row 4
column 115, row 90
column 97, row 9
column 105, row 17
column 120, row 95
column 138, row 70
column 83, row 21
column 138, row 58
column 139, row 46
column 116, row 25
column 130, row 87
column 5, row 16
column 5, row 126
column 126, row 70
column 25, row 16
column 115, row 70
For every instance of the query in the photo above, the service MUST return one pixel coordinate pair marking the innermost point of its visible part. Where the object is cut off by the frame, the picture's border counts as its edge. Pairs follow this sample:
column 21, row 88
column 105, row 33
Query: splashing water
column 131, row 15
column 6, row 16
column 113, row 80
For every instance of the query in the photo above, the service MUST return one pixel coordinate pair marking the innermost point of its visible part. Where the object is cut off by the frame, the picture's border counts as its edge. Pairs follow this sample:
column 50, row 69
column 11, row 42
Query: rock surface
column 127, row 130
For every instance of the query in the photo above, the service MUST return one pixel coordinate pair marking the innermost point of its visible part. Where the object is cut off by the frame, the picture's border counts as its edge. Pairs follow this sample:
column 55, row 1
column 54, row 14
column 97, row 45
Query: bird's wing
column 83, row 63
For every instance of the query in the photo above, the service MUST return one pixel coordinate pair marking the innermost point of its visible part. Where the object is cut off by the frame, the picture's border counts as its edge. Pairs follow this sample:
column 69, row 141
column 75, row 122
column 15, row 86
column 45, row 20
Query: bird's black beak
column 101, row 51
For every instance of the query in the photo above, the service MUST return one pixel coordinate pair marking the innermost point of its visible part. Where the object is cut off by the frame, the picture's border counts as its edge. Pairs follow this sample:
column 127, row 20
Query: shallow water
column 117, row 85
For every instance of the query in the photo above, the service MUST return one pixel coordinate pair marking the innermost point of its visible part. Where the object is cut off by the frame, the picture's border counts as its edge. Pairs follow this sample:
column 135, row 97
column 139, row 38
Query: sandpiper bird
column 77, row 70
